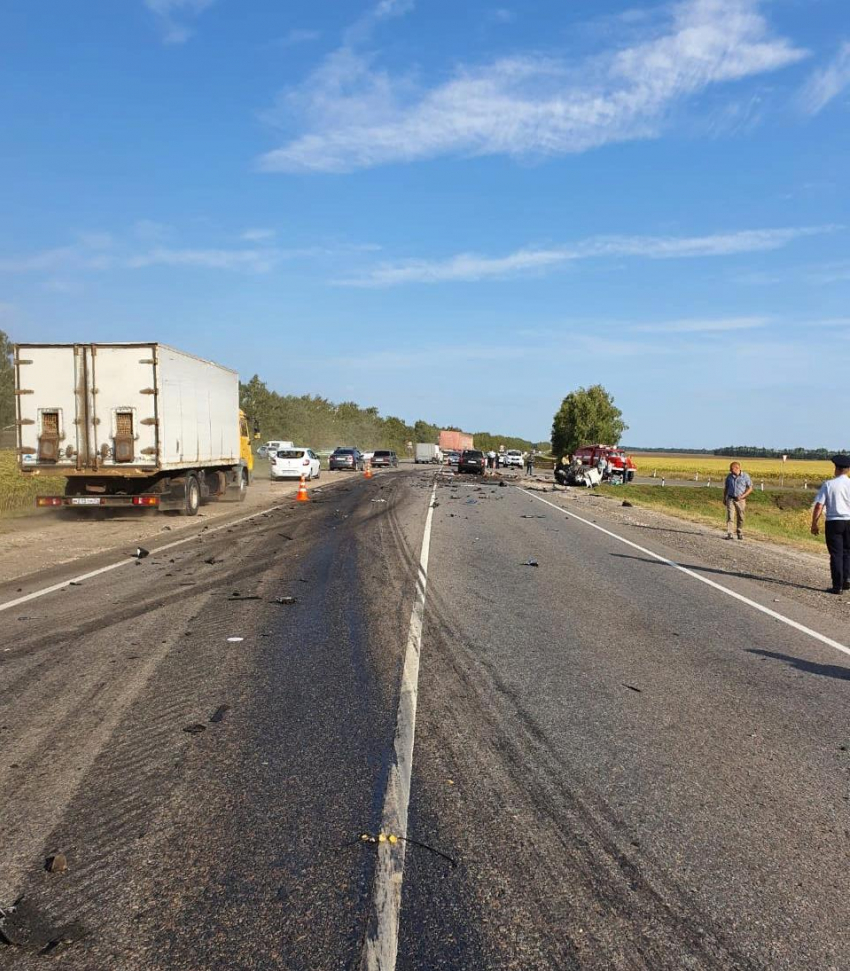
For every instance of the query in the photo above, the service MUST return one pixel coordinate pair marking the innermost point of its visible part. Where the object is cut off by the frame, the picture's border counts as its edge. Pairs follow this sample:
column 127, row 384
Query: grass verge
column 18, row 491
column 782, row 517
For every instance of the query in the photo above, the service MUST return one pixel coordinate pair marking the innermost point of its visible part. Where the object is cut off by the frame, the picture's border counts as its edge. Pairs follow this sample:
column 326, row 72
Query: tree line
column 321, row 423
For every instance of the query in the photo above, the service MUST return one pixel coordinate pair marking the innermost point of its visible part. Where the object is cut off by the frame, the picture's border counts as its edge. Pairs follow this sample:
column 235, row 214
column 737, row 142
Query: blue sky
column 453, row 211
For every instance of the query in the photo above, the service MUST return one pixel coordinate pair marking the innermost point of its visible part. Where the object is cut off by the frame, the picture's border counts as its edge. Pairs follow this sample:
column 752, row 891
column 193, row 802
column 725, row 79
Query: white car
column 266, row 451
column 513, row 456
column 292, row 463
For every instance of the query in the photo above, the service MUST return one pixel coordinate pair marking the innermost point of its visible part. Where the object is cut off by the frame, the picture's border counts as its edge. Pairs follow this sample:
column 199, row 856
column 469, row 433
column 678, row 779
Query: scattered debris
column 195, row 729
column 627, row 504
column 141, row 553
column 525, row 516
column 75, row 583
column 218, row 715
column 237, row 596
column 530, row 563
column 235, row 640
column 503, row 485
column 284, row 601
column 377, row 500
column 166, row 529
column 631, row 687
column 285, row 536
column 210, row 560
column 58, row 863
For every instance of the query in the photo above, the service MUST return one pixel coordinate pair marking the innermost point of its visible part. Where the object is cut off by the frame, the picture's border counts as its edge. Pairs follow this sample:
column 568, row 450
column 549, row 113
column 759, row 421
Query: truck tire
column 192, row 498
column 243, row 485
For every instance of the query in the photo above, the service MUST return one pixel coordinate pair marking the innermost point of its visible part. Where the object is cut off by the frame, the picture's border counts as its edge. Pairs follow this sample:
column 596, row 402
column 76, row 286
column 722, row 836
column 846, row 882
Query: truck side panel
column 198, row 406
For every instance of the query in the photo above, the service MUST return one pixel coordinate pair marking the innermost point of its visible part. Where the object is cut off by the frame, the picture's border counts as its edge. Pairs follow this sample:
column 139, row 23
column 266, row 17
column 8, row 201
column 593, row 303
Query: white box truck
column 425, row 454
column 130, row 425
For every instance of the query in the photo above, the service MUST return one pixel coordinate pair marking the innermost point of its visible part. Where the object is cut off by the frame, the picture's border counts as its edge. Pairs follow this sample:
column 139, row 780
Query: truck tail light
column 48, row 501
column 145, row 500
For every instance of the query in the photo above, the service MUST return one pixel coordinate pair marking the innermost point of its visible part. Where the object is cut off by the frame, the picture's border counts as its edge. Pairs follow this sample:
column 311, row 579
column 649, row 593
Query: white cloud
column 501, row 15
column 711, row 326
column 297, row 36
column 171, row 14
column 354, row 116
column 469, row 267
column 256, row 235
column 827, row 82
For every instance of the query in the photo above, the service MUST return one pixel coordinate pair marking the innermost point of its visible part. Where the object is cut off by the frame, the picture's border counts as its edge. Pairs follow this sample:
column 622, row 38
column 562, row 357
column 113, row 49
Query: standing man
column 529, row 463
column 834, row 498
column 738, row 486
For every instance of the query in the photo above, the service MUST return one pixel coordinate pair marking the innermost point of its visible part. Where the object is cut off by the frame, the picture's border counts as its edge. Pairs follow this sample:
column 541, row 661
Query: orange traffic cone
column 302, row 492
column 367, row 472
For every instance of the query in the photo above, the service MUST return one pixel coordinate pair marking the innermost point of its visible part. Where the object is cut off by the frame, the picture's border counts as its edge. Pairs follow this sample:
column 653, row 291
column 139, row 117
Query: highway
column 613, row 762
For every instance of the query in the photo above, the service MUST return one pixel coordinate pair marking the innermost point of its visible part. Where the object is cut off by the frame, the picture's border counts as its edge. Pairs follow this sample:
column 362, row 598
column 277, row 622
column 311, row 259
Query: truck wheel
column 192, row 500
column 243, row 485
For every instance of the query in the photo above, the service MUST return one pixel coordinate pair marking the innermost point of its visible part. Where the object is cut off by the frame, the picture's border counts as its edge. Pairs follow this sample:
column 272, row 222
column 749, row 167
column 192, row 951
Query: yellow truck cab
column 246, row 453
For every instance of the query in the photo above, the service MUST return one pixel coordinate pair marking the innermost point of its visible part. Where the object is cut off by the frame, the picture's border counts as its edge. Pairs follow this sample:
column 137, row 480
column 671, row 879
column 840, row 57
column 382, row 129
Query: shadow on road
column 724, row 573
column 810, row 667
column 665, row 529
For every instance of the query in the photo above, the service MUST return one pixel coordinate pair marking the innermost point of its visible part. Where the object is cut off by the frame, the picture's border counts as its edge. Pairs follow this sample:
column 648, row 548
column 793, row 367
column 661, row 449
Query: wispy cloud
column 712, row 326
column 172, row 15
column 352, row 115
column 297, row 36
column 827, row 83
column 502, row 15
column 470, row 267
column 256, row 235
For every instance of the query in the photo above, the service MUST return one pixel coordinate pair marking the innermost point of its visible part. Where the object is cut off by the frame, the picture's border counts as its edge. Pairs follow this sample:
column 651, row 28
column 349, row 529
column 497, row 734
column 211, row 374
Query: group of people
column 492, row 459
column 832, row 503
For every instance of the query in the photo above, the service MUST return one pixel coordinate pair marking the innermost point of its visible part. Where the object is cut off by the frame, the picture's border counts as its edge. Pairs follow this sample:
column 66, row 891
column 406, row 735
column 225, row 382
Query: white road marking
column 130, row 559
column 381, row 945
column 696, row 576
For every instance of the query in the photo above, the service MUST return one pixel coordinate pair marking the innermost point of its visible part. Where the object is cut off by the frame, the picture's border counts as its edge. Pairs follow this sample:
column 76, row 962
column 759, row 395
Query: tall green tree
column 7, row 382
column 586, row 416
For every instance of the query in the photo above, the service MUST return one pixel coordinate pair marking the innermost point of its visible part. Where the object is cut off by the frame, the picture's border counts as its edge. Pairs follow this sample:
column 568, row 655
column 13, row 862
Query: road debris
column 235, row 640
column 530, row 563
column 377, row 500
column 526, row 516
column 195, row 729
column 238, row 596
column 210, row 560
column 218, row 715
column 141, row 553
column 631, row 687
column 58, row 863
column 627, row 504
column 284, row 601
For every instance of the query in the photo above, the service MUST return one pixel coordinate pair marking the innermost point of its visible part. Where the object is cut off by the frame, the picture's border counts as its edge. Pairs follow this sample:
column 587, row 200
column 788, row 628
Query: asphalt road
column 616, row 765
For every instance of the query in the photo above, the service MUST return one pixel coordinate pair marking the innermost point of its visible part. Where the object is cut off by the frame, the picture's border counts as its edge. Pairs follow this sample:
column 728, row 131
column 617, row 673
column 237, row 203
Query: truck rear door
column 50, row 433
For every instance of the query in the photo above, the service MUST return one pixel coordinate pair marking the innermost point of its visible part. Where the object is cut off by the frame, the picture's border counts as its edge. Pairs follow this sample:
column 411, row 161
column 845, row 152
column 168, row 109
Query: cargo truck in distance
column 426, row 454
column 139, row 425
column 455, row 441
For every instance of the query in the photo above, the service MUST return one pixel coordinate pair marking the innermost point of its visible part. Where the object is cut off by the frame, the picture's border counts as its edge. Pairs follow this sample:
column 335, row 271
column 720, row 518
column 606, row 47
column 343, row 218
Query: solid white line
column 129, row 559
column 381, row 944
column 696, row 576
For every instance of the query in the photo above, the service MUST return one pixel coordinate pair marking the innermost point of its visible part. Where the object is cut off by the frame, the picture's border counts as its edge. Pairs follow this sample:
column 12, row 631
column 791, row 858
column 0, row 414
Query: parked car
column 292, row 463
column 513, row 456
column 471, row 460
column 451, row 457
column 384, row 458
column 347, row 457
column 269, row 448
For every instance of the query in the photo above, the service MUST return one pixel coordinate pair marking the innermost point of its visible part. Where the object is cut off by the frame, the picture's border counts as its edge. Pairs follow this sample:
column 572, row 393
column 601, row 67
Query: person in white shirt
column 833, row 499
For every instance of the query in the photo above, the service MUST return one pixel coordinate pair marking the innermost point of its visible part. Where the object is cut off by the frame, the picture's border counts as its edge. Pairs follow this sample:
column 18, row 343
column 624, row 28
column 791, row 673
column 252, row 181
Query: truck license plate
column 85, row 501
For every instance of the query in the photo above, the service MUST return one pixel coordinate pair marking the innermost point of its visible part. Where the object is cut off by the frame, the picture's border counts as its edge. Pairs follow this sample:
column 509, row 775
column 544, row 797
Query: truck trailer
column 426, row 454
column 140, row 425
column 455, row 441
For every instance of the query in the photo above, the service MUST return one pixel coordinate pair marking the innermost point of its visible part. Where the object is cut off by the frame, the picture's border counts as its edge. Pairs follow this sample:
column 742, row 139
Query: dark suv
column 385, row 458
column 347, row 458
column 471, row 460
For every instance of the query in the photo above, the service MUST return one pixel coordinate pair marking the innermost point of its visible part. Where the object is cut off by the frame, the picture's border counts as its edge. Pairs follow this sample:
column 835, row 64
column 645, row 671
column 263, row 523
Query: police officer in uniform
column 833, row 499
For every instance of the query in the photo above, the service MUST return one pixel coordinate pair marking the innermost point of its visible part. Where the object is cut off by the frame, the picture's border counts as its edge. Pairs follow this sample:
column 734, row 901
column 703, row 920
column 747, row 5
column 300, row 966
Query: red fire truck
column 617, row 463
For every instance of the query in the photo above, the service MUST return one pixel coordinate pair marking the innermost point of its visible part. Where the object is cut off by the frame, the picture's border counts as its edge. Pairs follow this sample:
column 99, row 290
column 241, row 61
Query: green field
column 780, row 516
column 715, row 467
column 18, row 491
